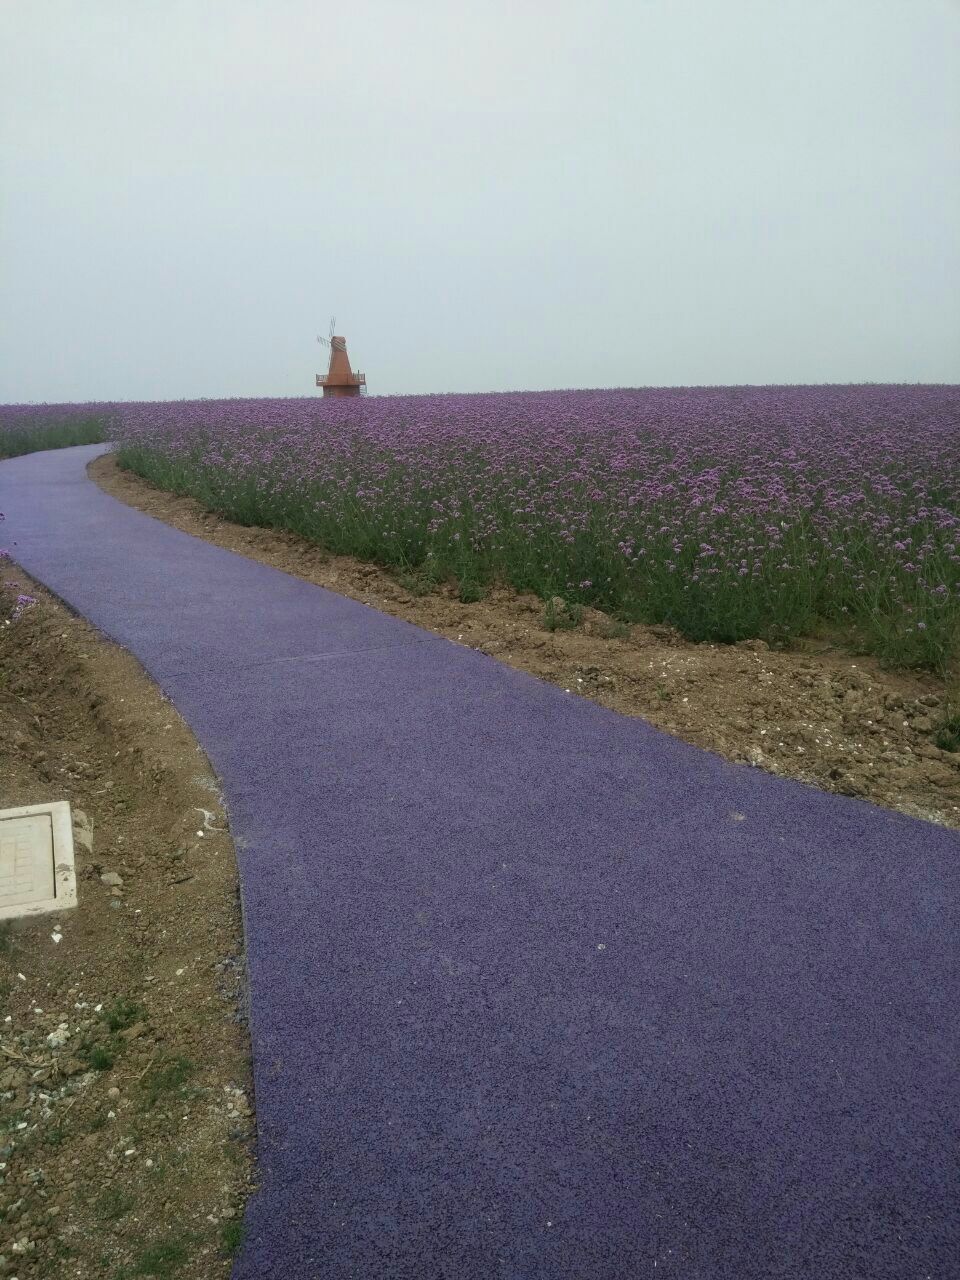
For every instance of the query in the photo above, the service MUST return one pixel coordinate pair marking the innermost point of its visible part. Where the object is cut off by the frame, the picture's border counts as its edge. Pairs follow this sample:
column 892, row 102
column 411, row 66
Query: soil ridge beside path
column 536, row 989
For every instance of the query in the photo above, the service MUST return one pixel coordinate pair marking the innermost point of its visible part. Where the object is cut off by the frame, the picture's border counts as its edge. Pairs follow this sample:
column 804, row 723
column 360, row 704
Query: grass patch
column 122, row 1013
column 419, row 582
column 168, row 1077
column 470, row 591
column 614, row 630
column 113, row 1204
column 231, row 1236
column 165, row 1258
column 100, row 1057
column 562, row 615
column 947, row 736
column 414, row 583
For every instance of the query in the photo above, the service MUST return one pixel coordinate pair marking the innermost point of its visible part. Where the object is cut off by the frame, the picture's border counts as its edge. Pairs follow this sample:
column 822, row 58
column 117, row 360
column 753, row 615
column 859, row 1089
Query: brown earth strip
column 125, row 1089
column 817, row 712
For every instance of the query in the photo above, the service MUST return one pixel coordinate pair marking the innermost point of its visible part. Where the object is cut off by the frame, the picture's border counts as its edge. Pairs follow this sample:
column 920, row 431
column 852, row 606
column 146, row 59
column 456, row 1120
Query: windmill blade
column 323, row 341
column 333, row 325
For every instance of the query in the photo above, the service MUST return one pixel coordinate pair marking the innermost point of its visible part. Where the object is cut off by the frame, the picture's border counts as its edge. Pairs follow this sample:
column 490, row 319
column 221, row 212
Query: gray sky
column 490, row 195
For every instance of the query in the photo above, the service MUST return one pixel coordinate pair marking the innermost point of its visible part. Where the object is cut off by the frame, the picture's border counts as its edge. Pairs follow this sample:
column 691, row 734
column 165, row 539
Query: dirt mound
column 125, row 1093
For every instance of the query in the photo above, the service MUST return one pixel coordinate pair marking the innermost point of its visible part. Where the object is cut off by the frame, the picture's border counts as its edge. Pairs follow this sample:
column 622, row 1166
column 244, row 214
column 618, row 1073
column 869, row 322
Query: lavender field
column 727, row 512
column 25, row 428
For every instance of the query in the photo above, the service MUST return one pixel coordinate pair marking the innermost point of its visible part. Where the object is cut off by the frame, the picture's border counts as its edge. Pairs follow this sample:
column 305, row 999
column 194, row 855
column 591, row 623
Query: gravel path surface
column 537, row 991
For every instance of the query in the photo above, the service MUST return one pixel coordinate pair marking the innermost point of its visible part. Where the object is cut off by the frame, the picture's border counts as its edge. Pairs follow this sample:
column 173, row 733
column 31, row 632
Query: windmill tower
column 339, row 380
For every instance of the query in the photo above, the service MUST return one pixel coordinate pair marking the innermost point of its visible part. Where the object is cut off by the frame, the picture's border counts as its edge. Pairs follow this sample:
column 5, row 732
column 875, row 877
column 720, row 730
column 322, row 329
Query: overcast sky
column 489, row 195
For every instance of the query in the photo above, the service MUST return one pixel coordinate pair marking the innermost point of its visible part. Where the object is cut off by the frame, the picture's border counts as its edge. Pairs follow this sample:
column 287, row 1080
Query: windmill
column 339, row 380
column 325, row 342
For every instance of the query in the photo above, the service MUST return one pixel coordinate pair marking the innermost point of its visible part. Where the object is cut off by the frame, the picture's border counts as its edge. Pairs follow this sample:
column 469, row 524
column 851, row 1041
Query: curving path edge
column 537, row 991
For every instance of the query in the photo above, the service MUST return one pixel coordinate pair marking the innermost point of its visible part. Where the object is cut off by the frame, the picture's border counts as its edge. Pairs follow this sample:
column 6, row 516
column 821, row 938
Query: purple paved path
column 527, row 1001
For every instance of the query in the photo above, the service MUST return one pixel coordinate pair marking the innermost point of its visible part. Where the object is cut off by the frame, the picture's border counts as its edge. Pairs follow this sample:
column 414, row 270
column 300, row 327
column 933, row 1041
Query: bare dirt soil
column 817, row 712
column 125, row 1093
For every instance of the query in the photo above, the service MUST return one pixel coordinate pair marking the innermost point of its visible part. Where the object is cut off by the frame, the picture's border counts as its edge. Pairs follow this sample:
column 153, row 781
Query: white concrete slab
column 36, row 860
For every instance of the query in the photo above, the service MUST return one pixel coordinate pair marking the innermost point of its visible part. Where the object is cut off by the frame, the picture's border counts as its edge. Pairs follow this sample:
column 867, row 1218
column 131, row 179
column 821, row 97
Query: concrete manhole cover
column 36, row 860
